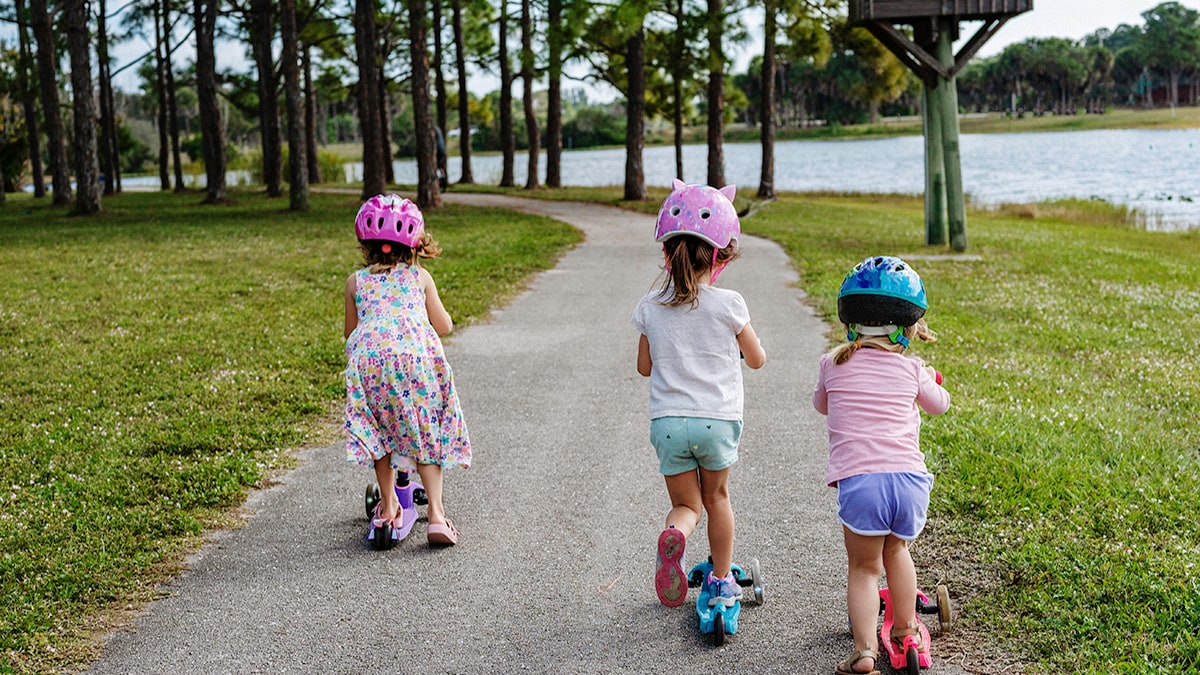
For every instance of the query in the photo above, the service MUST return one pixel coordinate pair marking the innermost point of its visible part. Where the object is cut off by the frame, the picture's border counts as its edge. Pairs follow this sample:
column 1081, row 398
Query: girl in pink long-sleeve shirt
column 873, row 395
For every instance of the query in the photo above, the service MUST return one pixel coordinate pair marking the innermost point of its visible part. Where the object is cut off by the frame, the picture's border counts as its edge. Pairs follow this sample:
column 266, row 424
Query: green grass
column 162, row 358
column 1064, row 514
column 1065, row 504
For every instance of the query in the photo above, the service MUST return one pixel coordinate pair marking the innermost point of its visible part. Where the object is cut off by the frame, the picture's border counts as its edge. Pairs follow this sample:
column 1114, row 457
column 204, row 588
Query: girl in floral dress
column 402, row 411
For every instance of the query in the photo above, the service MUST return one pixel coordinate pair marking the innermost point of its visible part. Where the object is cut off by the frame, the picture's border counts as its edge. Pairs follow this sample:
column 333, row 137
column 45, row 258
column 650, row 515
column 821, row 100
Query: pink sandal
column 442, row 534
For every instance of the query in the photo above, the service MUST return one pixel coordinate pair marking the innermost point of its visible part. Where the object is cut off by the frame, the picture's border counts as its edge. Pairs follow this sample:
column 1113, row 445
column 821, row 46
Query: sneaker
column 723, row 591
column 670, row 583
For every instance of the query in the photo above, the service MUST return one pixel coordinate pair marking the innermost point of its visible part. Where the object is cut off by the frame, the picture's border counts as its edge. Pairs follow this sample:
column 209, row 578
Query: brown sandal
column 847, row 667
column 898, row 635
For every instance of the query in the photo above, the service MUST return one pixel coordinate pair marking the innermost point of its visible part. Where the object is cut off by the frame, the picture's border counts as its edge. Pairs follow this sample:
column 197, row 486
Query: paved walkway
column 559, row 514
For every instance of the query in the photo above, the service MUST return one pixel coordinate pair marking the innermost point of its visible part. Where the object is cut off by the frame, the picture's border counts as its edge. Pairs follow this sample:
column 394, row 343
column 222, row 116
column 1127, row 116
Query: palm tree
column 464, row 100
column 716, row 94
column 507, row 139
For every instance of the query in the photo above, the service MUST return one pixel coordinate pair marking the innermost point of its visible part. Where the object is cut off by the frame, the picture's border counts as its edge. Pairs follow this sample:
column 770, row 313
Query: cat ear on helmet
column 729, row 191
column 676, row 184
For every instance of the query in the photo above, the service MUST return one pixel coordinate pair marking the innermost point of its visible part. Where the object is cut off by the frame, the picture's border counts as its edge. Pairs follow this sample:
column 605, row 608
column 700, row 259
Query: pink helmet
column 390, row 218
column 699, row 210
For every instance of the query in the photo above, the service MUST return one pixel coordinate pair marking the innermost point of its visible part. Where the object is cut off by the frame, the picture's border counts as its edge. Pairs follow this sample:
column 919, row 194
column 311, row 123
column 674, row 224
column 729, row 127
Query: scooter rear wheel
column 913, row 660
column 382, row 537
column 719, row 630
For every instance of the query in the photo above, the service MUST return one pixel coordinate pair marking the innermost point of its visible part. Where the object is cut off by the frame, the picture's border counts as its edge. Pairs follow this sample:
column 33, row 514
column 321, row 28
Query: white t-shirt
column 697, row 369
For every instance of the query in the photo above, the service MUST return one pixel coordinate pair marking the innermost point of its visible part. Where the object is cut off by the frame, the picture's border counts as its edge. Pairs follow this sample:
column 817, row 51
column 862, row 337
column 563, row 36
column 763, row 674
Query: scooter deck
column 895, row 652
column 408, row 514
column 708, row 615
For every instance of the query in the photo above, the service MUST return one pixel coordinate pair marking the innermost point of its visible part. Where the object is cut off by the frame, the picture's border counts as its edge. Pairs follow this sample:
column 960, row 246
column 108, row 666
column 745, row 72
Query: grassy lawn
column 1065, row 506
column 161, row 359
column 1064, row 514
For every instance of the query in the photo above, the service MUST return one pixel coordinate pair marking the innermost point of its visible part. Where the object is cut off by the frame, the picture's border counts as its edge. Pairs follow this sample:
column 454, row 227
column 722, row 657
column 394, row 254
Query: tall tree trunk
column 439, row 83
column 366, row 47
column 464, row 98
column 262, row 35
column 211, row 129
column 385, row 115
column 56, row 142
column 677, row 76
column 297, row 152
column 635, row 116
column 109, row 149
column 716, row 95
column 554, row 58
column 766, row 181
column 29, row 101
column 508, row 146
column 310, row 117
column 428, row 194
column 87, row 167
column 531, row 123
column 173, row 106
column 160, row 82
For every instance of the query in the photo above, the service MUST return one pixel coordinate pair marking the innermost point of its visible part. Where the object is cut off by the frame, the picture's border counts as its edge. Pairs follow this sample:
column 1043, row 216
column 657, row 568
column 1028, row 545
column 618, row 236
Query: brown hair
column 688, row 258
column 917, row 331
column 400, row 254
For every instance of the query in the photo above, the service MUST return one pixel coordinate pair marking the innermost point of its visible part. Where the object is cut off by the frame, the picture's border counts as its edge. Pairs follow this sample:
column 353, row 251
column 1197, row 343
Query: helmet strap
column 893, row 332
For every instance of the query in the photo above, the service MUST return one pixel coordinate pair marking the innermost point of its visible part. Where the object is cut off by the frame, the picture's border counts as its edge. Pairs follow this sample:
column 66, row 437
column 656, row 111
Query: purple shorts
column 879, row 504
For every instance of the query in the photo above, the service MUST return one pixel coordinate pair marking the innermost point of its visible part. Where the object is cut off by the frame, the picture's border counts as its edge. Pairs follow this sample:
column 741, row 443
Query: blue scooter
column 720, row 620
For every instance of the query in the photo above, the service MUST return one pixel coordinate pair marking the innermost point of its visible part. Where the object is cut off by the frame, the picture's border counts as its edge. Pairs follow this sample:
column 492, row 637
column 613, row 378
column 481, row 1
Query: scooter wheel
column 371, row 499
column 945, row 616
column 719, row 629
column 913, row 661
column 419, row 497
column 756, row 581
column 382, row 539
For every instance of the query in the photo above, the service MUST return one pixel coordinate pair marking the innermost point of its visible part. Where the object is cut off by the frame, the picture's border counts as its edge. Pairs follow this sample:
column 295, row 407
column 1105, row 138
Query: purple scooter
column 381, row 534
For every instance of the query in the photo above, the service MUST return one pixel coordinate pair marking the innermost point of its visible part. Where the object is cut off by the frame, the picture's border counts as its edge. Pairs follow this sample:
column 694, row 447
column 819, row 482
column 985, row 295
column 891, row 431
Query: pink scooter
column 905, row 656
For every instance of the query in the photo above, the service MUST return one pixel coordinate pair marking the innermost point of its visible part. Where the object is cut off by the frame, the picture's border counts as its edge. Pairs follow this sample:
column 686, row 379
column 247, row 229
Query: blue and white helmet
column 881, row 291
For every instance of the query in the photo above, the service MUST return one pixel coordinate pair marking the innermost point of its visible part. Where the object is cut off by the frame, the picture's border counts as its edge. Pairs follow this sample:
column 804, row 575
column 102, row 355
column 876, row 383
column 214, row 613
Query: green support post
column 956, row 210
column 935, row 165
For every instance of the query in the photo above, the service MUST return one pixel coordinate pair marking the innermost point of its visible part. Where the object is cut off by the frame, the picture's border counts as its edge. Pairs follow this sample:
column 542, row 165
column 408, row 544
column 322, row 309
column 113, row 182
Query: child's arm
column 752, row 349
column 439, row 318
column 351, row 308
column 932, row 398
column 820, row 397
column 644, row 363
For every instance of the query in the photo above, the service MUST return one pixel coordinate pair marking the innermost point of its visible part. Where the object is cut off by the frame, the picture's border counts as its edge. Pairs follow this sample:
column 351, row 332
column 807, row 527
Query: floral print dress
column 400, row 396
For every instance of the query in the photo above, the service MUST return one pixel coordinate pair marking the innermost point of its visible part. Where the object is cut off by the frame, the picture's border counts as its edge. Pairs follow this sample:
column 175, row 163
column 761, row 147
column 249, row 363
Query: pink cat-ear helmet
column 390, row 218
column 700, row 211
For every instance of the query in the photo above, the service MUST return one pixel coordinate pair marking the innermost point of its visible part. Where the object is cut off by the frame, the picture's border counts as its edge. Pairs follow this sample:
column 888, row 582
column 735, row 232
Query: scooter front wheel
column 945, row 618
column 371, row 498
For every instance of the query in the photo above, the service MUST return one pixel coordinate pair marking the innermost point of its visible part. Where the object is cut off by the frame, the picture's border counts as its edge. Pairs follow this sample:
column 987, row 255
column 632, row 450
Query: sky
column 1070, row 19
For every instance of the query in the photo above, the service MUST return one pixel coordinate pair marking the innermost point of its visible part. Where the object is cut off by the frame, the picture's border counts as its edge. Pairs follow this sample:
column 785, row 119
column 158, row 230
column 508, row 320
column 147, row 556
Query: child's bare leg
column 714, row 488
column 901, row 580
column 431, row 480
column 385, row 475
column 865, row 562
column 684, row 491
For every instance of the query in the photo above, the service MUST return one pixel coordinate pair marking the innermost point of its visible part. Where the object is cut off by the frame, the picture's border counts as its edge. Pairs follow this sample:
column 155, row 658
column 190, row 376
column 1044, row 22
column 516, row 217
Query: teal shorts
column 686, row 443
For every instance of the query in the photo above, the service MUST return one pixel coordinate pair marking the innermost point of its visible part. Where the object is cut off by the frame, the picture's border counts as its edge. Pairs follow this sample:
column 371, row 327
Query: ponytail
column 688, row 258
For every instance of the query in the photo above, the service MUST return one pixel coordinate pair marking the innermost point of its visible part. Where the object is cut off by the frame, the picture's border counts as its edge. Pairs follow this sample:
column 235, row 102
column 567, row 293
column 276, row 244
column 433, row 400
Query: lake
column 1154, row 171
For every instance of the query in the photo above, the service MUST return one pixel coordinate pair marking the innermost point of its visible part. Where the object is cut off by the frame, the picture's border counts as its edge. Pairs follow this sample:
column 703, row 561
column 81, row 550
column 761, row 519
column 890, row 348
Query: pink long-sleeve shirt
column 872, row 415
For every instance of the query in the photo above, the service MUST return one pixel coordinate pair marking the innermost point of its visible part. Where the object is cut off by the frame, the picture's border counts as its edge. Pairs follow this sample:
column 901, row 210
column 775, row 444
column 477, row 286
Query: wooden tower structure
column 930, row 54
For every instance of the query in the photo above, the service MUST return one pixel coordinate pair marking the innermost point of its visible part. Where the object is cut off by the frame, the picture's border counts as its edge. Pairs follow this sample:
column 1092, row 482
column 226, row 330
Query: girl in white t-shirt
column 691, row 334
